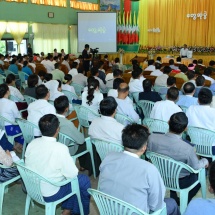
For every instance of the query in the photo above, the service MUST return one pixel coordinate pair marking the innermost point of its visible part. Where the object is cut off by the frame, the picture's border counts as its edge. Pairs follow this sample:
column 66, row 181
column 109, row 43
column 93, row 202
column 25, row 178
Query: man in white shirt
column 187, row 99
column 163, row 110
column 202, row 115
column 162, row 79
column 136, row 82
column 120, row 170
column 183, row 51
column 120, row 66
column 125, row 104
column 157, row 71
column 106, row 127
column 80, row 78
column 74, row 70
column 114, row 92
column 207, row 74
column 151, row 66
column 65, row 62
column 48, row 64
column 2, row 59
column 40, row 107
column 95, row 73
column 56, row 164
column 116, row 74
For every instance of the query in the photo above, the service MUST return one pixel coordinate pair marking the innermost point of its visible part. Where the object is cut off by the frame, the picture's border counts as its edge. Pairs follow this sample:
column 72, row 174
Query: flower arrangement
column 121, row 51
column 173, row 49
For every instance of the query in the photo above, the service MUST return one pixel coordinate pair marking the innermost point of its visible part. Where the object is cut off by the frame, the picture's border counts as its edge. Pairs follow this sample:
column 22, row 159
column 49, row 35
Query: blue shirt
column 187, row 101
column 201, row 206
column 13, row 68
column 27, row 71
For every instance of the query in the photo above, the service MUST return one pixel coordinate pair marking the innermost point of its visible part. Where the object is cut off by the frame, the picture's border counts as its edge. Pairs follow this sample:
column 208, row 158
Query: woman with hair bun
column 92, row 97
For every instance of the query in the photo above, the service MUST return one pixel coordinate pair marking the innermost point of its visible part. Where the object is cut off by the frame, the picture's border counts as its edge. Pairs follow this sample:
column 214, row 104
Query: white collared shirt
column 125, row 107
column 150, row 68
column 33, row 65
column 113, row 93
column 102, row 86
column 48, row 65
column 98, row 97
column 183, row 52
column 109, row 76
column 202, row 116
column 163, row 110
column 38, row 109
column 161, row 80
column 73, row 72
column 66, row 64
column 209, row 79
column 136, row 85
column 9, row 110
column 55, row 162
column 15, row 92
column 156, row 72
column 131, row 154
column 106, row 128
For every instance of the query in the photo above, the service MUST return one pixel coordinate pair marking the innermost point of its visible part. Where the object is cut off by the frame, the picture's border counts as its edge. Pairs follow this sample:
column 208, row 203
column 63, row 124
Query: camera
column 94, row 51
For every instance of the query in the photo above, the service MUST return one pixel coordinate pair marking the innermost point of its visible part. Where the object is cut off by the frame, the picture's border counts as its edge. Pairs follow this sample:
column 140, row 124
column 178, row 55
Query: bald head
column 123, row 88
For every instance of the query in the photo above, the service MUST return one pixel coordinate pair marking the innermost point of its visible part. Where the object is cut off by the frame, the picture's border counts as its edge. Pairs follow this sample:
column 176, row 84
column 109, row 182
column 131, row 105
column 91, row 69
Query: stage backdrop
column 175, row 22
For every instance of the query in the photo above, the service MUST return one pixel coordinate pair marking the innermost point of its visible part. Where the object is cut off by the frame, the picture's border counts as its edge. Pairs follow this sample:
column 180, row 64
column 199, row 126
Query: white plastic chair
column 170, row 171
column 32, row 181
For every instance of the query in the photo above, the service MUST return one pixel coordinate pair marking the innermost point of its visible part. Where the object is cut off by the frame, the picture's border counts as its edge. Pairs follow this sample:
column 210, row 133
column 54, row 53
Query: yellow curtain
column 3, row 28
column 83, row 5
column 60, row 3
column 171, row 17
column 18, row 30
column 143, row 22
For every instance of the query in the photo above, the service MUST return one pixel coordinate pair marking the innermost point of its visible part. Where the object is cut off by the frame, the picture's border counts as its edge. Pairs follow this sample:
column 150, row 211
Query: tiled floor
column 14, row 202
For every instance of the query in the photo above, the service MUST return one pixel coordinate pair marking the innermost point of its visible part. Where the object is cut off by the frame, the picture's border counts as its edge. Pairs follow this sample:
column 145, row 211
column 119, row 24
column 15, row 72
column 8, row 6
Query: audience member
column 145, row 192
column 187, row 99
column 48, row 64
column 162, row 110
column 57, row 74
column 80, row 78
column 74, row 71
column 158, row 60
column 172, row 145
column 95, row 74
column 40, row 107
column 182, row 73
column 207, row 75
column 13, row 67
column 211, row 65
column 26, row 70
column 124, row 101
column 116, row 74
column 172, row 65
column 56, row 164
column 67, row 84
column 113, row 92
column 148, row 94
column 135, row 84
column 157, row 71
column 66, row 62
column 102, row 74
column 162, row 79
column 92, row 97
column 30, row 90
column 41, row 76
column 171, row 82
column 106, row 127
column 204, row 206
column 151, row 66
column 200, row 82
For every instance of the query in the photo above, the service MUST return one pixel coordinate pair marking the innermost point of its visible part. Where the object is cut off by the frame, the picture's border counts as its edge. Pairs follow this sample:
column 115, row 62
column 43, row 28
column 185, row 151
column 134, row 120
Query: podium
column 139, row 59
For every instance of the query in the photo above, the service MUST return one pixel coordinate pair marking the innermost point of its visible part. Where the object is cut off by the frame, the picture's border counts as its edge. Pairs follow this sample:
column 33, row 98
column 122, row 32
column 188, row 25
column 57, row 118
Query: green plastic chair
column 83, row 116
column 4, row 187
column 157, row 88
column 2, row 79
column 22, row 78
column 78, row 88
column 70, row 95
column 3, row 120
column 29, row 99
column 32, row 181
column 170, row 170
column 63, row 138
column 105, row 147
column 123, row 119
column 109, row 205
column 156, row 125
column 136, row 96
column 203, row 139
column 27, row 129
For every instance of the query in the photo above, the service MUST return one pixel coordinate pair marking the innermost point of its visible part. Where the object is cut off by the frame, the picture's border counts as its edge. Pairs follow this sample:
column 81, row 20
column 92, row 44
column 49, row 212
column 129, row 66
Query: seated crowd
column 102, row 99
